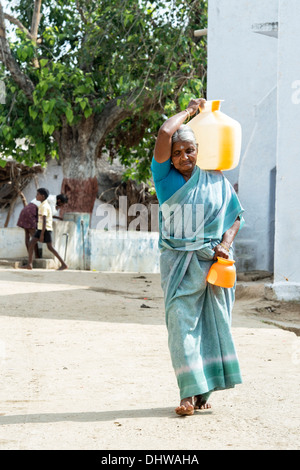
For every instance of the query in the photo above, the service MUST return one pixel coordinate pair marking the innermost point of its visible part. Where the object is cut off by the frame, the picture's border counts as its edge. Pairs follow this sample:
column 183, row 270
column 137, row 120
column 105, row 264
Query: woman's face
column 184, row 157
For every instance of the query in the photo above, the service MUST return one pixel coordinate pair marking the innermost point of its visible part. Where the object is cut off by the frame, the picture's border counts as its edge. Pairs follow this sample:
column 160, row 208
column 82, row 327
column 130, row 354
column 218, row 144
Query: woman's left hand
column 221, row 252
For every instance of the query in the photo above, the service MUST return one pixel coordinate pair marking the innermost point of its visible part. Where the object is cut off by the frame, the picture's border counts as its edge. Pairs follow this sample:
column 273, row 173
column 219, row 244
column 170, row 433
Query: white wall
column 287, row 227
column 124, row 251
column 242, row 70
column 259, row 77
column 12, row 243
column 65, row 242
column 257, row 183
column 101, row 251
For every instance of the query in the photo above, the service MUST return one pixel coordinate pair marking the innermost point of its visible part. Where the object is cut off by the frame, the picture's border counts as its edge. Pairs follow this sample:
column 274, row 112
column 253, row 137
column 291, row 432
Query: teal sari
column 198, row 315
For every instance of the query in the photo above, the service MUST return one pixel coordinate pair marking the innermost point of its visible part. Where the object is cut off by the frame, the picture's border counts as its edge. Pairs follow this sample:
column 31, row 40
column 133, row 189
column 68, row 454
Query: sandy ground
column 85, row 365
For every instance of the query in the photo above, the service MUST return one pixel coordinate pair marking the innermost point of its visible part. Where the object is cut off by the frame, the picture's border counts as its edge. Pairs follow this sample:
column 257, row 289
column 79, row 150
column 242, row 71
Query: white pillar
column 286, row 284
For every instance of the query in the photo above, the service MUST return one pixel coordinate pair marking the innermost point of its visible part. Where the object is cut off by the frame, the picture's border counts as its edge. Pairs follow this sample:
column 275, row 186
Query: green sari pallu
column 198, row 315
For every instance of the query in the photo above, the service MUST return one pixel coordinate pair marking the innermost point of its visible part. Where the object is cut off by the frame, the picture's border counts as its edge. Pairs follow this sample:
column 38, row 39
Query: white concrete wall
column 65, row 242
column 101, row 251
column 257, row 185
column 287, row 227
column 12, row 243
column 124, row 251
column 242, row 70
column 259, row 77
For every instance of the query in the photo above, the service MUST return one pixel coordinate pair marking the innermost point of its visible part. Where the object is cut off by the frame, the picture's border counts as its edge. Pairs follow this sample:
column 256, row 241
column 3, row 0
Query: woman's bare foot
column 186, row 407
column 201, row 403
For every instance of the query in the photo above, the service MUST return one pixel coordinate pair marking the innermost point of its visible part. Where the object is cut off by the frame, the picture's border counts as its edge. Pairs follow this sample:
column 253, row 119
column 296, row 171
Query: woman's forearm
column 163, row 146
column 222, row 249
column 230, row 234
column 173, row 123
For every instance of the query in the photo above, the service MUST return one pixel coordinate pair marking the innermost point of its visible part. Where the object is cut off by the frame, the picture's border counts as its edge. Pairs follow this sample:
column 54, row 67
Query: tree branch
column 9, row 62
column 113, row 114
column 18, row 23
column 36, row 18
column 80, row 11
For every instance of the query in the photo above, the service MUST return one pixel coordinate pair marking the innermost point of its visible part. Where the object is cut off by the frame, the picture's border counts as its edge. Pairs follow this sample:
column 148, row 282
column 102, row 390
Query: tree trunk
column 79, row 147
column 81, row 193
column 78, row 159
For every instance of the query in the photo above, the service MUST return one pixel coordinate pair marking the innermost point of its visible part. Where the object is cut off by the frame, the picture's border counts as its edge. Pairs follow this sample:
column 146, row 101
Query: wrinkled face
column 184, row 157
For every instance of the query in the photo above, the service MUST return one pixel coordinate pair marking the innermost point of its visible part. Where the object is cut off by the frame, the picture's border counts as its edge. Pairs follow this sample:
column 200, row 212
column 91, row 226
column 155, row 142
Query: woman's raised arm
column 163, row 146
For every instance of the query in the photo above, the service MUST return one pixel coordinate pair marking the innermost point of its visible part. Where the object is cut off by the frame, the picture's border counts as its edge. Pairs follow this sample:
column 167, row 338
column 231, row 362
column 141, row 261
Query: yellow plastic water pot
column 219, row 138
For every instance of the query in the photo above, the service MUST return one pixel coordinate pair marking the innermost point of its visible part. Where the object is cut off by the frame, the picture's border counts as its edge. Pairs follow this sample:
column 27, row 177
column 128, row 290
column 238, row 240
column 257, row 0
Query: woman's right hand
column 194, row 105
column 221, row 252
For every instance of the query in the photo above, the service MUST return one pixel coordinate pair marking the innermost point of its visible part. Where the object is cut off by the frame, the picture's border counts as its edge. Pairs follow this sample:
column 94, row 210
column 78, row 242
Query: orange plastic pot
column 222, row 273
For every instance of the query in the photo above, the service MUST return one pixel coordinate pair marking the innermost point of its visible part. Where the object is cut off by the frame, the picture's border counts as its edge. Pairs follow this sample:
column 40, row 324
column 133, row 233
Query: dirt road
column 85, row 365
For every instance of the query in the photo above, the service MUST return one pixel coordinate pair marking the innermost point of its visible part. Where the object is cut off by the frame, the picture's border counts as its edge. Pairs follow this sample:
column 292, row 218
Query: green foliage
column 105, row 50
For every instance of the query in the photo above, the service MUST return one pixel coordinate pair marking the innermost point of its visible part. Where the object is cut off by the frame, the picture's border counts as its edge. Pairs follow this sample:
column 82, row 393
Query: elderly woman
column 200, row 215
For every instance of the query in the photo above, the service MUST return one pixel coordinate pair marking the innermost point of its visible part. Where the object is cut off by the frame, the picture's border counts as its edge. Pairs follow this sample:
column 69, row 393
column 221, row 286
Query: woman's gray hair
column 184, row 134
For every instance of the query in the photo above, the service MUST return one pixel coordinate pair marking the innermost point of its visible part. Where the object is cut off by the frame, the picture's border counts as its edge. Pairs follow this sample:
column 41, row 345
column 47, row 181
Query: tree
column 83, row 78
